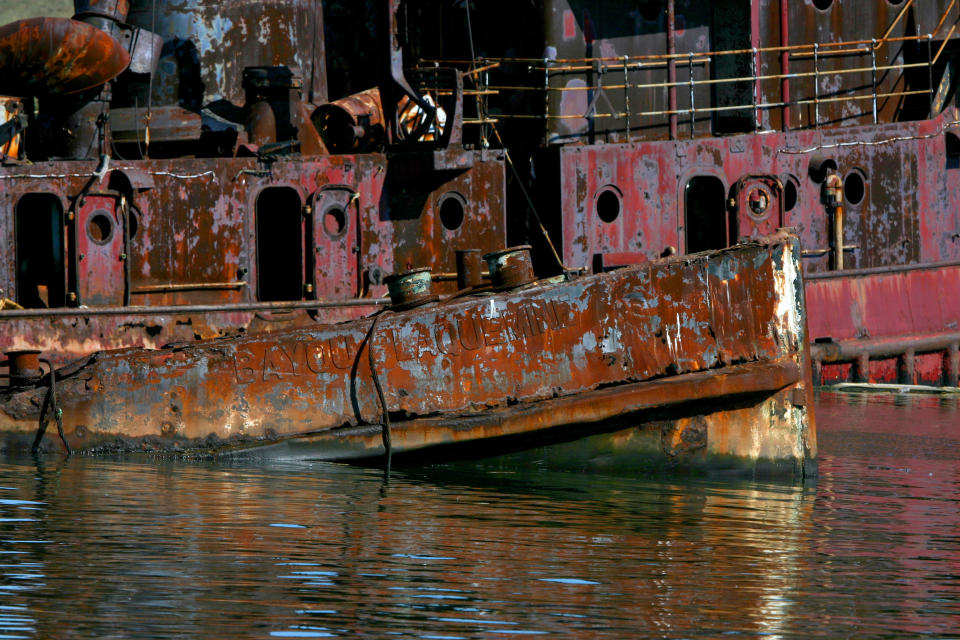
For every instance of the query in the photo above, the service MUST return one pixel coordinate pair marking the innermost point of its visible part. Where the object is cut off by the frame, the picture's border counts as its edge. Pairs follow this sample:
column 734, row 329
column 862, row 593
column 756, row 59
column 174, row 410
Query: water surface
column 119, row 548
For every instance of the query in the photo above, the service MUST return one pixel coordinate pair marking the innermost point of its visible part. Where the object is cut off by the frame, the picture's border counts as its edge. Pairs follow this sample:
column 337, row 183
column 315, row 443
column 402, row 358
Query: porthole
column 823, row 5
column 854, row 188
column 453, row 208
column 100, row 227
column 608, row 204
column 334, row 221
column 790, row 194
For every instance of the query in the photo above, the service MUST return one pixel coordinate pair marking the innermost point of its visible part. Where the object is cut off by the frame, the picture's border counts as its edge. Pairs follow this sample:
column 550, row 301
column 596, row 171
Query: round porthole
column 854, row 188
column 334, row 221
column 789, row 194
column 453, row 208
column 100, row 227
column 823, row 5
column 608, row 204
column 759, row 202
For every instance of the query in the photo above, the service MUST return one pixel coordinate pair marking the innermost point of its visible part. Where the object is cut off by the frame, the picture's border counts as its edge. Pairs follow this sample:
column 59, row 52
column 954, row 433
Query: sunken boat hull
column 706, row 351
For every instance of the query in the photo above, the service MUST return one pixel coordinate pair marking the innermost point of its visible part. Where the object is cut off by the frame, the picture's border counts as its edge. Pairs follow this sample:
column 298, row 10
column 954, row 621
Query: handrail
column 888, row 76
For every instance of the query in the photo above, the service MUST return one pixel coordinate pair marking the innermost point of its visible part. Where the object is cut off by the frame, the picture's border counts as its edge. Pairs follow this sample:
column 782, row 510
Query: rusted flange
column 24, row 366
column 510, row 268
column 410, row 289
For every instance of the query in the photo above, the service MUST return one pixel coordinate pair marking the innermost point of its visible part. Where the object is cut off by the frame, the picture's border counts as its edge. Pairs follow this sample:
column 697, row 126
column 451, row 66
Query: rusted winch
column 410, row 289
column 510, row 267
column 24, row 366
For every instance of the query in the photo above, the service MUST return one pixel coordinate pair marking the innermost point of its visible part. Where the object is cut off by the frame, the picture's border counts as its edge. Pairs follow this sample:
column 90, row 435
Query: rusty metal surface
column 56, row 56
column 895, row 325
column 195, row 224
column 907, row 213
column 210, row 42
column 713, row 313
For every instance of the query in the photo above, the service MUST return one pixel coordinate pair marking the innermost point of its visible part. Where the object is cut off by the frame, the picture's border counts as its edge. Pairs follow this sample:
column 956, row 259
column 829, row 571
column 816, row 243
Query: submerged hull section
column 709, row 350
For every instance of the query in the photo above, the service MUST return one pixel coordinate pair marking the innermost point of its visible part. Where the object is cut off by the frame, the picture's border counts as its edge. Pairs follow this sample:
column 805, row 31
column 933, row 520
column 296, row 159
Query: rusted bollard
column 510, row 268
column 410, row 289
column 24, row 366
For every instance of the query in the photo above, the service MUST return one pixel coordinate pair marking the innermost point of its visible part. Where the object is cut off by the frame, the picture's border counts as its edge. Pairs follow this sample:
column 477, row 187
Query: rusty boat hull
column 708, row 352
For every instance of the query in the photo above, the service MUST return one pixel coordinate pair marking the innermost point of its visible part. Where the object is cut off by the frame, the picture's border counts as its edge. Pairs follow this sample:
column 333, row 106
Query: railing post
column 816, row 84
column 873, row 59
column 756, row 89
column 693, row 110
column 546, row 102
column 931, row 92
column 626, row 93
column 672, row 68
column 785, row 64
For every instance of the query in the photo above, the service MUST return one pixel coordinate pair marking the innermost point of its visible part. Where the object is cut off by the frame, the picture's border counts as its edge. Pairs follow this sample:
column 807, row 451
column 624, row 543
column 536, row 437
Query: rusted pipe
column 469, row 268
column 838, row 237
column 881, row 348
column 193, row 309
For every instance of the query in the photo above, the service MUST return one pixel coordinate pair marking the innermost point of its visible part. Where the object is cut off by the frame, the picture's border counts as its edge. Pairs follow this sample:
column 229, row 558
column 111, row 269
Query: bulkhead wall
column 208, row 44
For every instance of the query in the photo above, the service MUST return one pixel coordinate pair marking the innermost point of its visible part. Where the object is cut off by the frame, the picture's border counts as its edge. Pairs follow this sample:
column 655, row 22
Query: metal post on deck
column 816, row 84
column 756, row 89
column 785, row 62
column 931, row 93
column 626, row 93
column 873, row 64
column 672, row 68
column 546, row 102
column 693, row 110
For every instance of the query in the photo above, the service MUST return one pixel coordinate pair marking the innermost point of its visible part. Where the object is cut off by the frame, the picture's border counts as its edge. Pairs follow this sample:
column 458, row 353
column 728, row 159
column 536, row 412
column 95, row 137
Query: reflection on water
column 124, row 548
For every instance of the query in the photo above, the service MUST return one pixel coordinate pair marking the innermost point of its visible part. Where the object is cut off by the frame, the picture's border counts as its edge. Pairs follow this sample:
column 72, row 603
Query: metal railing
column 887, row 80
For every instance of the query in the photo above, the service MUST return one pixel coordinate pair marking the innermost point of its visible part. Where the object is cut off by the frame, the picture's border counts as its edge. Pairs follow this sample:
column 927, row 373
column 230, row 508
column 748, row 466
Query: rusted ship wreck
column 178, row 188
column 193, row 170
column 698, row 361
